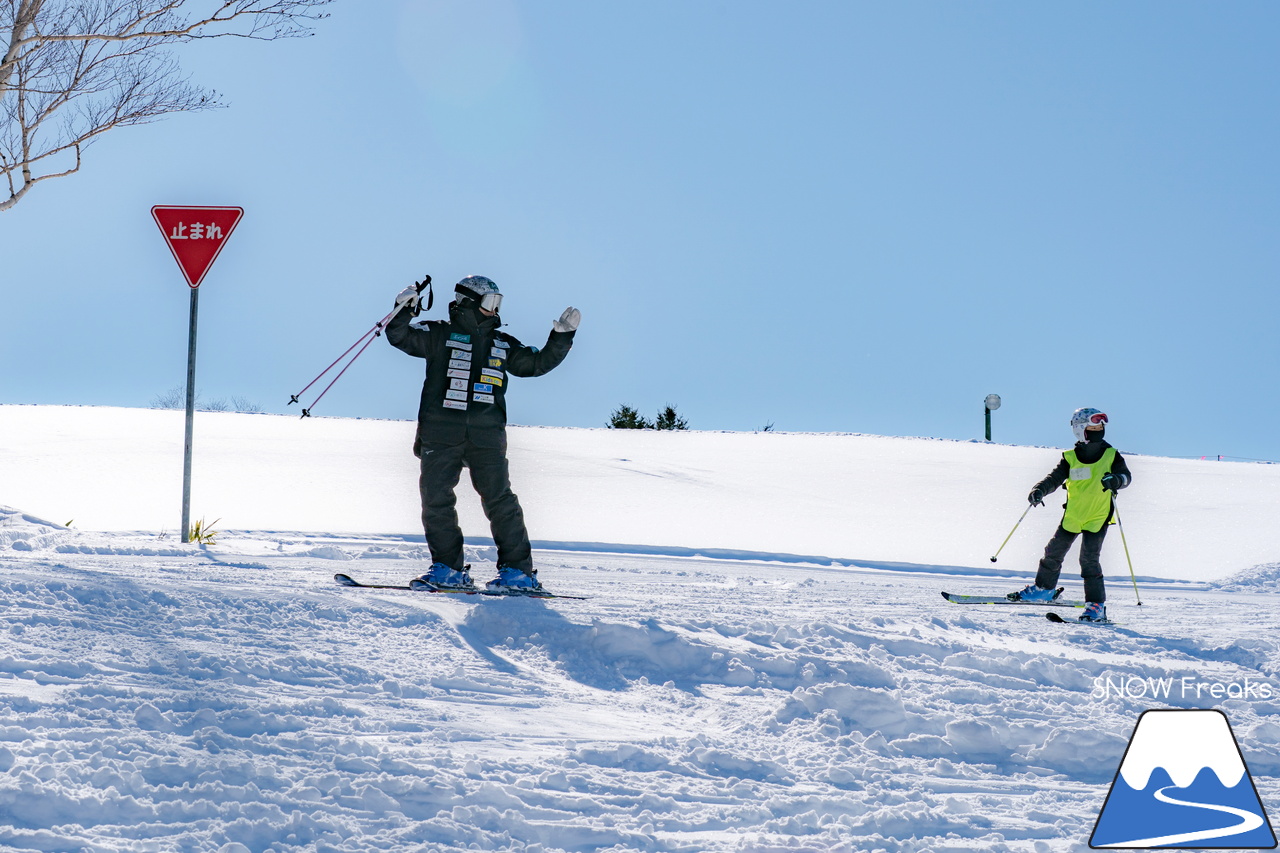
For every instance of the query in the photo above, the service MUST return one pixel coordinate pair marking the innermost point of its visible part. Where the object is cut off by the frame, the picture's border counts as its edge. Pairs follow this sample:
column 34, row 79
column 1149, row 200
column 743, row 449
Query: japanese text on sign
column 198, row 231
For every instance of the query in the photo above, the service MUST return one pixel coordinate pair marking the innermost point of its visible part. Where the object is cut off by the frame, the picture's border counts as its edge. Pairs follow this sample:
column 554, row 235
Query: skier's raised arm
column 531, row 361
column 402, row 336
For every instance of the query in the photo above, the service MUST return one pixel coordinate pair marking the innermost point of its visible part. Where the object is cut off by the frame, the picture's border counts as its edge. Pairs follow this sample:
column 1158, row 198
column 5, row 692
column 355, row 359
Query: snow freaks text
column 1185, row 688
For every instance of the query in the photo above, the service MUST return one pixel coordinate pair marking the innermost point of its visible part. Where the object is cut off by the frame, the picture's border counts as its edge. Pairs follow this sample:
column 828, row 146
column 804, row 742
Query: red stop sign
column 196, row 235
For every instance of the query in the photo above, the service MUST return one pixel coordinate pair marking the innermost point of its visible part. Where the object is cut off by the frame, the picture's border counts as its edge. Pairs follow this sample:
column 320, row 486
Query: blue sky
column 828, row 216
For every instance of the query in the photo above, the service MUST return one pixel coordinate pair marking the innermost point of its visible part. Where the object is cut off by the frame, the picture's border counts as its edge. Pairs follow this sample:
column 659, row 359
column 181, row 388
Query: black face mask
column 1094, row 434
column 466, row 313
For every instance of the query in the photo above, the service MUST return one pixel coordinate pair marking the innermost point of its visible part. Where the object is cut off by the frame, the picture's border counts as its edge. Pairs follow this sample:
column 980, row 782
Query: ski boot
column 1031, row 592
column 440, row 576
column 1094, row 611
column 511, row 580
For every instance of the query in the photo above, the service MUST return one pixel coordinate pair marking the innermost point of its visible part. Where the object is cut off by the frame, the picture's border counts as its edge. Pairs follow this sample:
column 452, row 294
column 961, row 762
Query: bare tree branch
column 73, row 70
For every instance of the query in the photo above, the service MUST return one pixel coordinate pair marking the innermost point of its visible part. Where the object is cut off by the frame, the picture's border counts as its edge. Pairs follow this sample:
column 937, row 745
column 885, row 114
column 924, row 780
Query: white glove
column 568, row 321
column 408, row 297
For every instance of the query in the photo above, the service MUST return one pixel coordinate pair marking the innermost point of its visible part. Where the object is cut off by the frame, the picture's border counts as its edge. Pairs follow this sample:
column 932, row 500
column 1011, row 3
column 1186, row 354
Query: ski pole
column 1011, row 532
column 293, row 398
column 366, row 339
column 306, row 413
column 1120, row 524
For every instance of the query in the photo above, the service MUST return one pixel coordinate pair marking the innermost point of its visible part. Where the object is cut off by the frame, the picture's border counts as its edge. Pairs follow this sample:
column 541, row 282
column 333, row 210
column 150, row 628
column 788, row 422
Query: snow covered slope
column 156, row 696
column 844, row 497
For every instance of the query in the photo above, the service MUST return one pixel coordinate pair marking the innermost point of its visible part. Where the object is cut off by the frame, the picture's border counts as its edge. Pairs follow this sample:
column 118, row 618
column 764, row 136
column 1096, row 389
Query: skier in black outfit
column 1093, row 472
column 462, row 419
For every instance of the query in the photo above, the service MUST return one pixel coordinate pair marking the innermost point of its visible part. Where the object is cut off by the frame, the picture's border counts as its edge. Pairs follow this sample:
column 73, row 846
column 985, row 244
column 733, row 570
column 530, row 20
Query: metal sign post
column 196, row 236
column 191, row 417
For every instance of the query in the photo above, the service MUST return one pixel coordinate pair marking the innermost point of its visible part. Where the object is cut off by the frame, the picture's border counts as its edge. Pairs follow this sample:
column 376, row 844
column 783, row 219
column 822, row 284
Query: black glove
column 1110, row 482
column 1036, row 498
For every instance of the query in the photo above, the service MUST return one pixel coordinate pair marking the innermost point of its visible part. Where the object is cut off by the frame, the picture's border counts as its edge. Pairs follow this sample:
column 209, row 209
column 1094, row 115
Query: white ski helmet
column 1081, row 419
column 482, row 290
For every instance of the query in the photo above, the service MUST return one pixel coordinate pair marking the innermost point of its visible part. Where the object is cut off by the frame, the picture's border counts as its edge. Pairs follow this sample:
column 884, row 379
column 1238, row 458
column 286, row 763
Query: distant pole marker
column 989, row 405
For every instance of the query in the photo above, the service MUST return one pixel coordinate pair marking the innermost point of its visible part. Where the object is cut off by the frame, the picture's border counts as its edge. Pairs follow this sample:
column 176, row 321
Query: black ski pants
column 1090, row 561
column 441, row 468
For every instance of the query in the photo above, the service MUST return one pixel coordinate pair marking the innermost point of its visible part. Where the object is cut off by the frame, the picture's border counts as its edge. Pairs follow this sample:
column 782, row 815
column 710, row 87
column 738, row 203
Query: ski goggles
column 491, row 302
column 1097, row 419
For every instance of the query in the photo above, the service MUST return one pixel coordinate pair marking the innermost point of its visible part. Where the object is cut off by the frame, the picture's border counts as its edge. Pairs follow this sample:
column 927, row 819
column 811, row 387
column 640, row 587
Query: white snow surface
column 764, row 662
column 862, row 498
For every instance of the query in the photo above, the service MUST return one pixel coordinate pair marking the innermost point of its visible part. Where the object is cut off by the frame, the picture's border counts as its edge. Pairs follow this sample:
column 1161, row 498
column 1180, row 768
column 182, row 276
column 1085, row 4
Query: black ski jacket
column 468, row 365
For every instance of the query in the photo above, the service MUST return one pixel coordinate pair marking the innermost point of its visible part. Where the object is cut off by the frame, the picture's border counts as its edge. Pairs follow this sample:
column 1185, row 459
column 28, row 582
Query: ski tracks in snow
column 234, row 699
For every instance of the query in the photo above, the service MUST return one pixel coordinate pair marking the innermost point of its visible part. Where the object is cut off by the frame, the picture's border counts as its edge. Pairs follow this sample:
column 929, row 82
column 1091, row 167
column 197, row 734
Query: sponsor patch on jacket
column 495, row 362
column 457, row 344
column 456, row 395
column 459, row 374
column 454, row 404
column 483, row 398
column 492, row 380
column 455, row 336
column 482, row 388
column 498, row 353
column 458, row 384
column 460, row 365
column 501, row 344
column 1081, row 473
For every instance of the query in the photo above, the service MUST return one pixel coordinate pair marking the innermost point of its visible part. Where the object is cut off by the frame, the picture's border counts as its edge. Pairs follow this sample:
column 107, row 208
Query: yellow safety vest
column 1087, row 504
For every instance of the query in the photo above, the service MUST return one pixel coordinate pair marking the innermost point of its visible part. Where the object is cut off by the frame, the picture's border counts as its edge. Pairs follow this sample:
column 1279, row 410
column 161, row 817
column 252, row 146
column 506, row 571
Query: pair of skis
column 418, row 586
column 955, row 598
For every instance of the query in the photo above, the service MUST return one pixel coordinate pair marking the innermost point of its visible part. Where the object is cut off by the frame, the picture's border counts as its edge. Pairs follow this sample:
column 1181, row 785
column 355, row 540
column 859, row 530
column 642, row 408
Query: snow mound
column 22, row 532
column 1260, row 578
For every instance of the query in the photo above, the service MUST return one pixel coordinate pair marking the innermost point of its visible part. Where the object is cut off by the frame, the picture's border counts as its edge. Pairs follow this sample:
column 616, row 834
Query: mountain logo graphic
column 1183, row 783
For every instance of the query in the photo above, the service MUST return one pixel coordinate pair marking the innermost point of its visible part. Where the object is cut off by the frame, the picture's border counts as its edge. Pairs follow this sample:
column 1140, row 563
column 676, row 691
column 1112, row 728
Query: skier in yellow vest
column 1093, row 472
